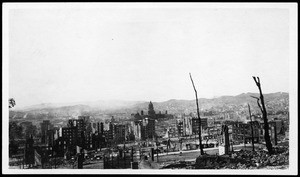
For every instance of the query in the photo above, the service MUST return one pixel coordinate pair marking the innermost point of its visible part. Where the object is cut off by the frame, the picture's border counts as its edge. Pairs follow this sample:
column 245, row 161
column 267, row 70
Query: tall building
column 143, row 129
column 101, row 128
column 70, row 135
column 241, row 132
column 50, row 137
column 60, row 146
column 75, row 133
column 195, row 124
column 148, row 128
column 80, row 125
column 180, row 127
column 120, row 133
column 137, row 129
column 88, row 141
column 151, row 111
column 111, row 131
column 187, row 124
column 45, row 126
column 29, row 151
column 89, row 129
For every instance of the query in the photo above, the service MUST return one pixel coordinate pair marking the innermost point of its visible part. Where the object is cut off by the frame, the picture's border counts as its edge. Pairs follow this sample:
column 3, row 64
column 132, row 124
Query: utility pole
column 124, row 158
column 168, row 143
column 131, row 153
column 157, row 154
column 251, row 127
column 118, row 161
column 244, row 138
column 112, row 160
column 104, row 161
column 124, row 153
column 55, row 161
column 23, row 158
column 152, row 154
column 275, row 134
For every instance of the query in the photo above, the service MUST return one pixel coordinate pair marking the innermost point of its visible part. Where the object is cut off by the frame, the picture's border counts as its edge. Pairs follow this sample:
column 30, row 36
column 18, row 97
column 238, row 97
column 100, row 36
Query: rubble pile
column 179, row 165
column 244, row 160
column 217, row 162
column 15, row 163
column 238, row 160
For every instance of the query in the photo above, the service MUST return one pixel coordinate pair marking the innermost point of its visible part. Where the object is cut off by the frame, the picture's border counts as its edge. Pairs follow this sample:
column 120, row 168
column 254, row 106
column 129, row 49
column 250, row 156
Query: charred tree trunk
column 264, row 113
column 198, row 113
column 251, row 128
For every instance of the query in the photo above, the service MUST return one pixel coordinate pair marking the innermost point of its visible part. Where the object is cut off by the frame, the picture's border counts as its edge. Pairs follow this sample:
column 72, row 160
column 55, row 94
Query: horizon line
column 80, row 102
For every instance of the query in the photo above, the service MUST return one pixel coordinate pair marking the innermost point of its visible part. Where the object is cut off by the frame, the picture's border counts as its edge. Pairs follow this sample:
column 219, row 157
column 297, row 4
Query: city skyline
column 109, row 102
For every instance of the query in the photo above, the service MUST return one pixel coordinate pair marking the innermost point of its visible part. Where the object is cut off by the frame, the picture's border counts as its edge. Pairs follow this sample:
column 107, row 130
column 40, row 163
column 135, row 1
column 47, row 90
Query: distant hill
column 100, row 105
column 223, row 103
column 180, row 106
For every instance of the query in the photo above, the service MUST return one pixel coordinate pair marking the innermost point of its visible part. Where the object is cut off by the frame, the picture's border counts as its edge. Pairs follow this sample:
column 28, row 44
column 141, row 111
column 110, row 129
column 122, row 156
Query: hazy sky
column 88, row 54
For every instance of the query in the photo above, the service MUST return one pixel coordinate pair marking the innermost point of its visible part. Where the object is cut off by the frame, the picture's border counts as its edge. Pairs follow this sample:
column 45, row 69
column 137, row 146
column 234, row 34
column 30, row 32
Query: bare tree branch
column 193, row 84
column 264, row 115
column 200, row 141
column 258, row 103
column 254, row 79
column 257, row 81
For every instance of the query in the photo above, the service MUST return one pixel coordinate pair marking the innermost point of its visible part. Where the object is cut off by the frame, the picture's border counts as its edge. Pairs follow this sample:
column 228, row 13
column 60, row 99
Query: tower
column 151, row 111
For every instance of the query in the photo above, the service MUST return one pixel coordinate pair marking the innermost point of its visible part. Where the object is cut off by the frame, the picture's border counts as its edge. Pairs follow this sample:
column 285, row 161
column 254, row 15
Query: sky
column 63, row 54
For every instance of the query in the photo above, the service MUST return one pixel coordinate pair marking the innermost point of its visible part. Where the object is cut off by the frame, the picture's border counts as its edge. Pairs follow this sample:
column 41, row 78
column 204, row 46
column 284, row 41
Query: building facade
column 195, row 124
column 242, row 133
column 45, row 127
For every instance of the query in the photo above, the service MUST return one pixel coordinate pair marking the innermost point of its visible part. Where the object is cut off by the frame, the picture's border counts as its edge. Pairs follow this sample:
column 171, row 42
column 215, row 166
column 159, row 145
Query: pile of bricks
column 244, row 160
